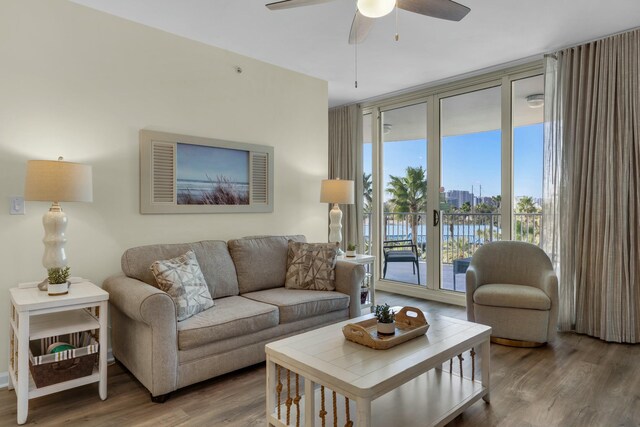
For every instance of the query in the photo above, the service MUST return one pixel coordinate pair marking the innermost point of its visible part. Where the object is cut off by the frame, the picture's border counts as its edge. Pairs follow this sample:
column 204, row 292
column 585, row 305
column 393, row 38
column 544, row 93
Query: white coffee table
column 402, row 386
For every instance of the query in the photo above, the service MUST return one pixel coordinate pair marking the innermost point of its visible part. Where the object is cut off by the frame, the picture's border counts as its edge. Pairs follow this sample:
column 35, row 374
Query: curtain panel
column 592, row 185
column 345, row 143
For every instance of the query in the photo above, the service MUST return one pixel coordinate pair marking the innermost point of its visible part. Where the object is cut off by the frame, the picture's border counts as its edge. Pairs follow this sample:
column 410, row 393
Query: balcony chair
column 512, row 287
column 400, row 251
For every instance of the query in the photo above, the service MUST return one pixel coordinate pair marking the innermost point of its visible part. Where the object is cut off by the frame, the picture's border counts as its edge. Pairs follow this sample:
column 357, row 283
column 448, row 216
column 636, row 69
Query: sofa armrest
column 473, row 282
column 140, row 301
column 144, row 332
column 349, row 277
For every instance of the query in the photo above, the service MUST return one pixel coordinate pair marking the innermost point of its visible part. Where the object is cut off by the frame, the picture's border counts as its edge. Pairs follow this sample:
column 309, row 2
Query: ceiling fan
column 368, row 10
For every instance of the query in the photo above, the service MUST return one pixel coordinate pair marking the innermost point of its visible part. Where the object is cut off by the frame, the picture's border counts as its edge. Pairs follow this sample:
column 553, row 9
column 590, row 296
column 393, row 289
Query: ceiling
column 313, row 39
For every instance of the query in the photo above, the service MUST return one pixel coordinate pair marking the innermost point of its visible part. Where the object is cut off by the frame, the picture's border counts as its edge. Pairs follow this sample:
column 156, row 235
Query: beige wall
column 79, row 83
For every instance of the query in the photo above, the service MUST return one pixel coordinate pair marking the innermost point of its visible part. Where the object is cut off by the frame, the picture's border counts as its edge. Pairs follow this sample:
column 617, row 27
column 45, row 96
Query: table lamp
column 336, row 191
column 56, row 181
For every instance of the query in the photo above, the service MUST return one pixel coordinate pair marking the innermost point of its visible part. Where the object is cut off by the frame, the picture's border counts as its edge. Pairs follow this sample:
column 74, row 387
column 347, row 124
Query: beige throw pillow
column 311, row 266
column 182, row 279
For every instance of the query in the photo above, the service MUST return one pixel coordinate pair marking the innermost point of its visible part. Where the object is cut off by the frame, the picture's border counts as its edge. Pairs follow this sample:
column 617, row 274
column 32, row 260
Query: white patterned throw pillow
column 182, row 279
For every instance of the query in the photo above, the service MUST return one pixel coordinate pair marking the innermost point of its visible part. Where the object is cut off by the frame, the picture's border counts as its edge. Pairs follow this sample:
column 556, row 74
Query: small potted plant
column 58, row 281
column 351, row 250
column 386, row 319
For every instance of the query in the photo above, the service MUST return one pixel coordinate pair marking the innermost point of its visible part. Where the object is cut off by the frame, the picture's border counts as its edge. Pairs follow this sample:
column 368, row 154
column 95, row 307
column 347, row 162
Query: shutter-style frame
column 158, row 174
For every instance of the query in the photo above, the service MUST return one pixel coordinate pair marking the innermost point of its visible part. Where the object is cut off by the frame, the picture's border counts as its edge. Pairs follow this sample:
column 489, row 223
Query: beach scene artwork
column 211, row 175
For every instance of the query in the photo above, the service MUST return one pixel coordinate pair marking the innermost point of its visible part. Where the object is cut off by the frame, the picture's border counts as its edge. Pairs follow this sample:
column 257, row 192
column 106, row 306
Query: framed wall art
column 188, row 174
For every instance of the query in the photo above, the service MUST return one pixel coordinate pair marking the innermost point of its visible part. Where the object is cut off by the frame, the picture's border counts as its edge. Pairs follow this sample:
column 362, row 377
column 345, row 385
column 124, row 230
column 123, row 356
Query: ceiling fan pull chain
column 356, row 53
column 356, row 65
column 397, row 34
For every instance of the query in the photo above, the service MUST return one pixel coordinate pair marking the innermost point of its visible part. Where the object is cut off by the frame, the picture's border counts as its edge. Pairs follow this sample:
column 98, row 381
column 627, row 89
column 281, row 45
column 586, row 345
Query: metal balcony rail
column 462, row 233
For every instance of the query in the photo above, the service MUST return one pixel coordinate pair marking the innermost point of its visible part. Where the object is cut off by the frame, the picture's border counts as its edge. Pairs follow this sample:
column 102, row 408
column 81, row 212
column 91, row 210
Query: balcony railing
column 462, row 233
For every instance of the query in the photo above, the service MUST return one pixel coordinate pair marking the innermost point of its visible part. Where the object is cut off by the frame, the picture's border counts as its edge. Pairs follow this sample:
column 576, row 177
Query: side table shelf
column 369, row 279
column 34, row 315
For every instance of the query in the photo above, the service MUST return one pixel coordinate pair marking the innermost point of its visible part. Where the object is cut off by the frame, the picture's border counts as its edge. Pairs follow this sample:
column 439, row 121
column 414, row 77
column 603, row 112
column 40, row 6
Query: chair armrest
column 549, row 285
column 473, row 282
column 141, row 302
column 349, row 277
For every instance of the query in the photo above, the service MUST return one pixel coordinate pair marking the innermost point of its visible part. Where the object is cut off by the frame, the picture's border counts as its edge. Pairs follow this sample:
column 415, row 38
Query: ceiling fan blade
column 287, row 4
column 360, row 28
column 443, row 9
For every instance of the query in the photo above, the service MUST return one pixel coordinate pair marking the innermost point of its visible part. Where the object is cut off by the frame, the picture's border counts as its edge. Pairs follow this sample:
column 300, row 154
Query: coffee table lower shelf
column 431, row 399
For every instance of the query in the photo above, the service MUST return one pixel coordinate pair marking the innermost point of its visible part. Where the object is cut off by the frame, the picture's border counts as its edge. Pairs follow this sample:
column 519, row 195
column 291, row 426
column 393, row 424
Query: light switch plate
column 17, row 206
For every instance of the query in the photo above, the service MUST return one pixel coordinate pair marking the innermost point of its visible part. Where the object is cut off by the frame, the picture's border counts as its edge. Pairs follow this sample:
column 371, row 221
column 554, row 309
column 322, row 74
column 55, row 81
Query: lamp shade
column 337, row 191
column 58, row 181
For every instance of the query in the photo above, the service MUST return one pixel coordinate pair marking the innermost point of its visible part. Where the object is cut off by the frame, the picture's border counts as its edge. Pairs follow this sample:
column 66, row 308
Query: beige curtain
column 345, row 141
column 592, row 185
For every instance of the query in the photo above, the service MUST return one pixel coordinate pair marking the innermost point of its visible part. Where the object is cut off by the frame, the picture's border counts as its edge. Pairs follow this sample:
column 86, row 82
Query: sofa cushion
column 296, row 304
column 182, row 279
column 231, row 316
column 514, row 296
column 311, row 266
column 214, row 259
column 261, row 262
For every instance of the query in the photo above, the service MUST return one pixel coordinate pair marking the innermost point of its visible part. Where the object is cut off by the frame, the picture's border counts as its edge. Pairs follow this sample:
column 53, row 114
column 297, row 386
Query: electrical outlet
column 17, row 206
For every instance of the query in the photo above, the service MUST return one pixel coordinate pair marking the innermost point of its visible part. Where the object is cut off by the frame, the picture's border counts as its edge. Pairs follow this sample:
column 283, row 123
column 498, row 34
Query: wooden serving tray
column 407, row 327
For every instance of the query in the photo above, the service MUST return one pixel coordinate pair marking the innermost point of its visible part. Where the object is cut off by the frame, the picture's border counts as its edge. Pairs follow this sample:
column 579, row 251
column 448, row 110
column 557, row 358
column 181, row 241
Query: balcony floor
column 403, row 272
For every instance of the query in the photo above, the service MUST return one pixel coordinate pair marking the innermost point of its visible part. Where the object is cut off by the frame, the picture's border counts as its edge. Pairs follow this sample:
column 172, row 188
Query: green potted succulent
column 58, row 281
column 386, row 319
column 351, row 250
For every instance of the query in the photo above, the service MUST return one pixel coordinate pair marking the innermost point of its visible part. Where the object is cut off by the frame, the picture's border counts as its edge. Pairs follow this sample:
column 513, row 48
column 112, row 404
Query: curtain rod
column 629, row 30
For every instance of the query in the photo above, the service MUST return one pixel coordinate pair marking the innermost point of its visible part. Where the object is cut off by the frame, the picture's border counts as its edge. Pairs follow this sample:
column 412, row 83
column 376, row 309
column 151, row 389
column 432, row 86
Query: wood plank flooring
column 576, row 381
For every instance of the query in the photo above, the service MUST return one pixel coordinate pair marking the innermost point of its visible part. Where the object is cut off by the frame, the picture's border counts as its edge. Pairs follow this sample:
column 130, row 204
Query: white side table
column 35, row 315
column 367, row 260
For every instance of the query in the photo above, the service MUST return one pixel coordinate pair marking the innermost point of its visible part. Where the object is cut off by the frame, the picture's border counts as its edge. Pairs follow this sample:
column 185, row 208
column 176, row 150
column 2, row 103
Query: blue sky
column 472, row 160
column 195, row 162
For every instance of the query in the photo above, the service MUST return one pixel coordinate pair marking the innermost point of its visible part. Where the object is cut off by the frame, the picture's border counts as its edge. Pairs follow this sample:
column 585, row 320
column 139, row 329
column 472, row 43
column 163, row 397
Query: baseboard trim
column 448, row 297
column 4, row 379
column 4, row 376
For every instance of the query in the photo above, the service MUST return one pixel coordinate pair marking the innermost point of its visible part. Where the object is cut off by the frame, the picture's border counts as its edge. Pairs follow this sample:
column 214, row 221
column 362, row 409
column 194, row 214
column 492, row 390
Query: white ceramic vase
column 58, row 288
column 387, row 328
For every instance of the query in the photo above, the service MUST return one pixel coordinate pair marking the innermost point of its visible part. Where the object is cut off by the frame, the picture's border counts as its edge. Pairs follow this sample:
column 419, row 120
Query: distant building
column 456, row 198
column 485, row 200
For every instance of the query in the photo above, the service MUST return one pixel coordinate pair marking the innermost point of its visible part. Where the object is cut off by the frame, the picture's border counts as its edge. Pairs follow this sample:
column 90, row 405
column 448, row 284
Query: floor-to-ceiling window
column 404, row 192
column 367, row 184
column 471, row 178
column 527, row 110
column 479, row 179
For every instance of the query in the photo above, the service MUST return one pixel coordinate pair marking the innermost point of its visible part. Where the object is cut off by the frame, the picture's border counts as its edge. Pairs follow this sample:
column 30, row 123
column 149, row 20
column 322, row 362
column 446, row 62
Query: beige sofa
column 246, row 279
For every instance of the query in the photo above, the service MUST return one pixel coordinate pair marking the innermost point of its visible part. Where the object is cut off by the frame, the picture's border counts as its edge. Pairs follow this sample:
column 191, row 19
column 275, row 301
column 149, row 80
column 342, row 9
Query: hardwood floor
column 576, row 381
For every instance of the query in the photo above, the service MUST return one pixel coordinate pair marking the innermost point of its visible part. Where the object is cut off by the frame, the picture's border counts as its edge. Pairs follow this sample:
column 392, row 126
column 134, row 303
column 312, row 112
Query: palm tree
column 497, row 201
column 465, row 208
column 367, row 192
column 526, row 205
column 409, row 194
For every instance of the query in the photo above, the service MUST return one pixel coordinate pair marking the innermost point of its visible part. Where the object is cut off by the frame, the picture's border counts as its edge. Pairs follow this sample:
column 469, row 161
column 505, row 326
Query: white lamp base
column 335, row 227
column 55, row 224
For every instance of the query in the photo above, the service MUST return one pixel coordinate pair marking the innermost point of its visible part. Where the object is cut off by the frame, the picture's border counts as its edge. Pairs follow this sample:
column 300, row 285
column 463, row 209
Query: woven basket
column 48, row 369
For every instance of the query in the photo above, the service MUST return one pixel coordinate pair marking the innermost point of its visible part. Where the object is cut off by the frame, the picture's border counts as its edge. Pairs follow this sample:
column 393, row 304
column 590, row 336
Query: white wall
column 79, row 83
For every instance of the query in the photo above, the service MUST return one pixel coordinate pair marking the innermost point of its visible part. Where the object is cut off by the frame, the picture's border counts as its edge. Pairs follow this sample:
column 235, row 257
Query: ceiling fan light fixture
column 376, row 8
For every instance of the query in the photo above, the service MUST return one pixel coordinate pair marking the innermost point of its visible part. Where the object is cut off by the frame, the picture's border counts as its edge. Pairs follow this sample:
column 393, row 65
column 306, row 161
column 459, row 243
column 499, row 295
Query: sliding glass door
column 446, row 172
column 404, row 193
column 470, row 141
